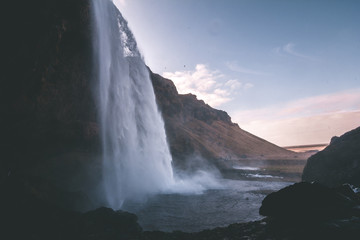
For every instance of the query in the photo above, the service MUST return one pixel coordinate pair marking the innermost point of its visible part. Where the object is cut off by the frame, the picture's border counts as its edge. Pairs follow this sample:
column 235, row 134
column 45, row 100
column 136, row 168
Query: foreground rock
column 311, row 202
column 337, row 164
column 30, row 212
column 313, row 211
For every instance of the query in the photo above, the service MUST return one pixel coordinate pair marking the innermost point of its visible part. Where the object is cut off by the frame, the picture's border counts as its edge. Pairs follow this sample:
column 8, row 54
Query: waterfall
column 136, row 157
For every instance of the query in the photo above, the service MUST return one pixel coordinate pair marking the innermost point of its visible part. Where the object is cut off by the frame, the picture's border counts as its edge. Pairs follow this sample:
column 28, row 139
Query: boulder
column 105, row 223
column 304, row 201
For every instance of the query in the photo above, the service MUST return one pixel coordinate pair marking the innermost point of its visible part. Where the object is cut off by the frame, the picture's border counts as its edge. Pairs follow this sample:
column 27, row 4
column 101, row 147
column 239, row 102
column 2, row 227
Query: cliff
column 338, row 163
column 47, row 102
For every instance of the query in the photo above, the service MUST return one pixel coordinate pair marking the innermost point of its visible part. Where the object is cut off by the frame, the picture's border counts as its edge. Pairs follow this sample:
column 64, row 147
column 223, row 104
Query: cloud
column 289, row 49
column 233, row 84
column 315, row 129
column 328, row 103
column 234, row 66
column 305, row 121
column 248, row 85
column 206, row 84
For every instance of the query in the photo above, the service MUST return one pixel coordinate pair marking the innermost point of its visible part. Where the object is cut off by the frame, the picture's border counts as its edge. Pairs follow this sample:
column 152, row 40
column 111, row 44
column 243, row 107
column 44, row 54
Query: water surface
column 236, row 201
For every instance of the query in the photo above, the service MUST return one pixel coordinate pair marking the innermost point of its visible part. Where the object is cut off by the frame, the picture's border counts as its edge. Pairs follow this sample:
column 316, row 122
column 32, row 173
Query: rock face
column 195, row 128
column 46, row 95
column 49, row 117
column 339, row 163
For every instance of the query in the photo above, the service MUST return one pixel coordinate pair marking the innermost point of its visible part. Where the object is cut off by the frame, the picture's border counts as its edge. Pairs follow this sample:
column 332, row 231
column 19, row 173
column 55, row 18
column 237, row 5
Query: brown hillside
column 193, row 127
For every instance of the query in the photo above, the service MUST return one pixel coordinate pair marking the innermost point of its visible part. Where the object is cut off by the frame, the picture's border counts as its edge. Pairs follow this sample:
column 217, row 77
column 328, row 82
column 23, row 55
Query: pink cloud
column 304, row 121
column 304, row 130
column 342, row 101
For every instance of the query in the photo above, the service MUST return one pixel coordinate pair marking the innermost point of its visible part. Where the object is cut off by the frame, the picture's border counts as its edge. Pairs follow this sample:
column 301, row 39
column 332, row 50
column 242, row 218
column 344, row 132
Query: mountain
column 338, row 163
column 194, row 128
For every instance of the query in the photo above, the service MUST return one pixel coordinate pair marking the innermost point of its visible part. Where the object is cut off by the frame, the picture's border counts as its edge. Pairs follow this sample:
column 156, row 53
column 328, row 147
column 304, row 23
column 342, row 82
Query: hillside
column 195, row 128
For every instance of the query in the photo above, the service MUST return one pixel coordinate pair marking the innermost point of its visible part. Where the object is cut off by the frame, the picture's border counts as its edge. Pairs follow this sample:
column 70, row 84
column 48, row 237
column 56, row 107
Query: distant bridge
column 309, row 147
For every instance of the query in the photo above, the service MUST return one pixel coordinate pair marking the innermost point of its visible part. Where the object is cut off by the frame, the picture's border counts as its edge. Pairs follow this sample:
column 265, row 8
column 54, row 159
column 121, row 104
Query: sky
column 286, row 71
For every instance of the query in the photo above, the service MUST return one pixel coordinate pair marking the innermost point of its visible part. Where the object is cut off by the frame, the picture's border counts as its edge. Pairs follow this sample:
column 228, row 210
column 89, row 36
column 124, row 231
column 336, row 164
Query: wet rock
column 310, row 202
column 105, row 223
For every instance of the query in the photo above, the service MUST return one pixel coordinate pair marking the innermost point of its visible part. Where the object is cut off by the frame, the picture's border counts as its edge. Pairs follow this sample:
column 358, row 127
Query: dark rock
column 338, row 163
column 49, row 120
column 105, row 223
column 334, row 139
column 47, row 104
column 310, row 202
column 312, row 211
column 30, row 210
column 28, row 213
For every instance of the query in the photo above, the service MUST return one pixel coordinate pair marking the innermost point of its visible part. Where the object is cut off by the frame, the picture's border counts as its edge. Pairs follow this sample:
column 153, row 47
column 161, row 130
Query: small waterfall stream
column 136, row 157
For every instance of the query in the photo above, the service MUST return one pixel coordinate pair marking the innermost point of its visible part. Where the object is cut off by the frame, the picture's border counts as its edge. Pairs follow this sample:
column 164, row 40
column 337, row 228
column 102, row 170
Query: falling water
column 136, row 157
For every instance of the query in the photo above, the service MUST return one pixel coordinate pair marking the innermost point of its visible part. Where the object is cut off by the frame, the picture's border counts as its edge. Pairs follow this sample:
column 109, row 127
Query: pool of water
column 234, row 201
